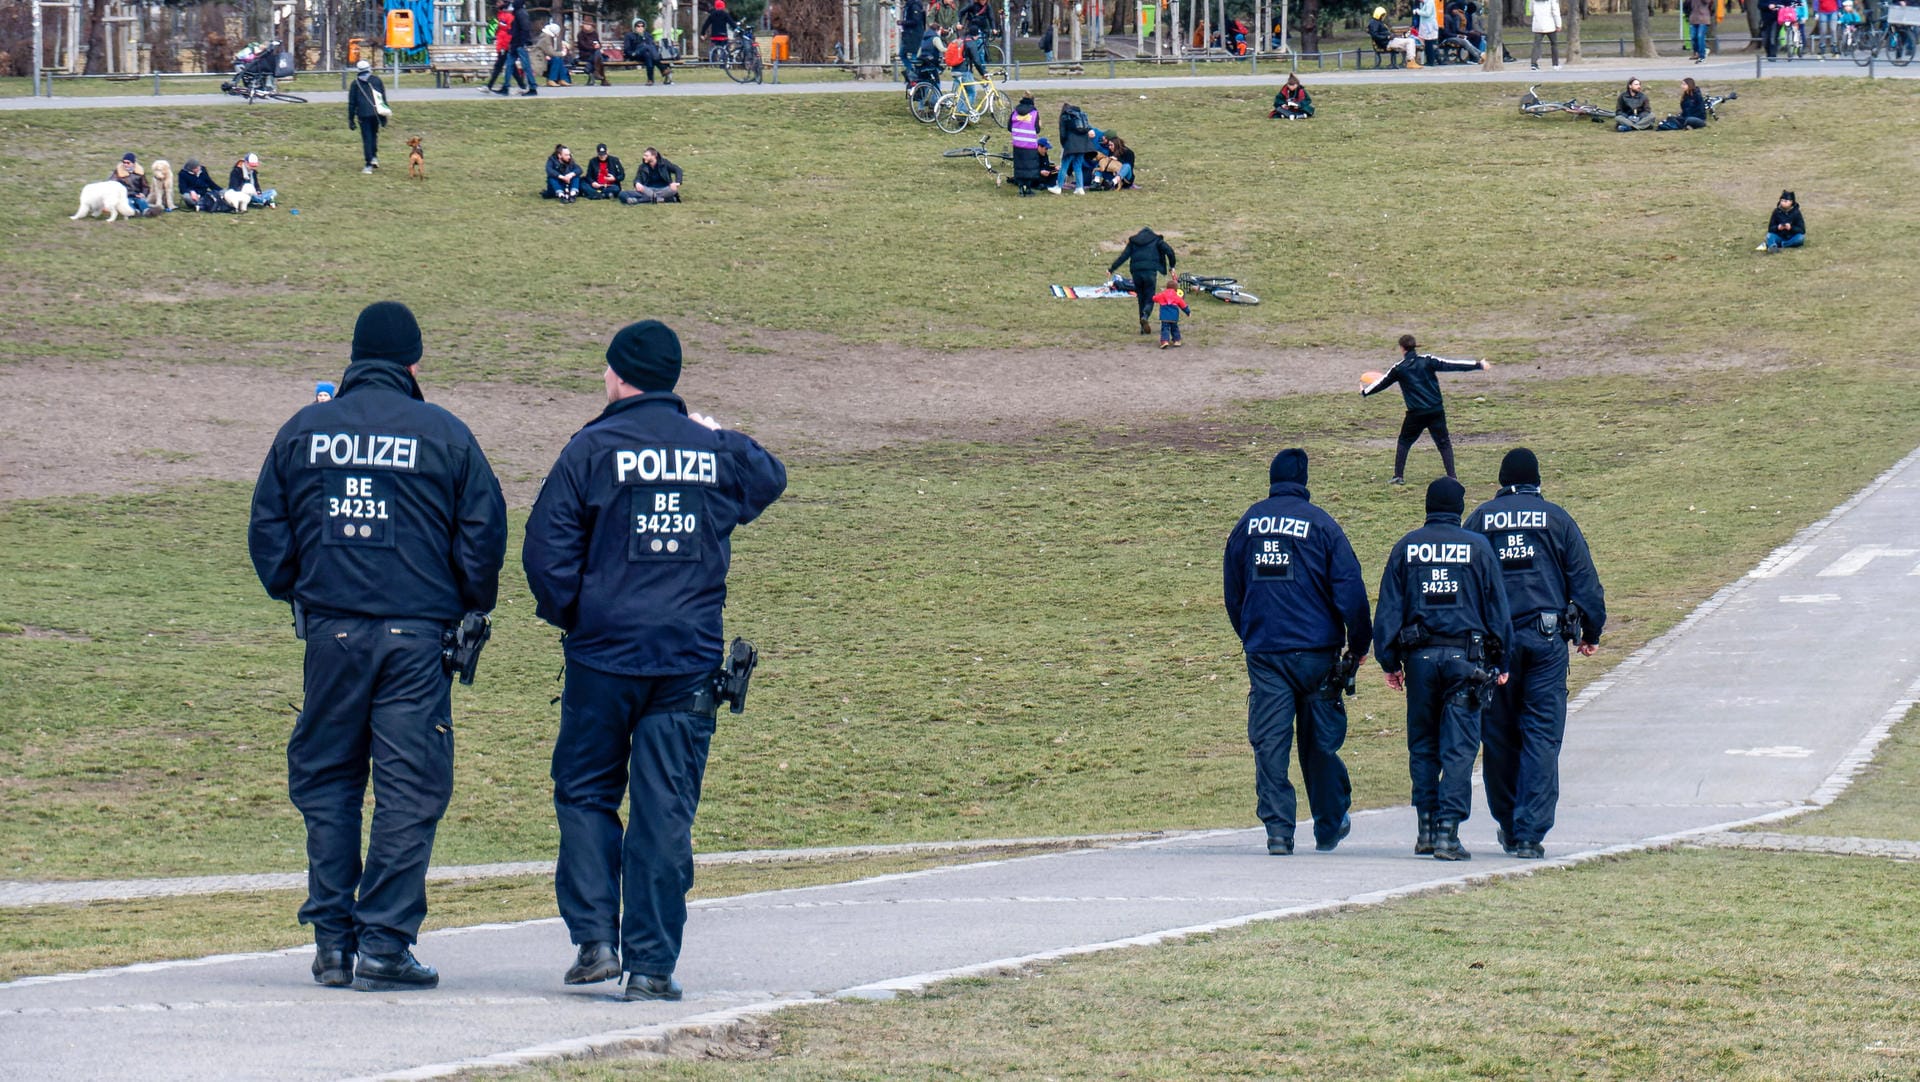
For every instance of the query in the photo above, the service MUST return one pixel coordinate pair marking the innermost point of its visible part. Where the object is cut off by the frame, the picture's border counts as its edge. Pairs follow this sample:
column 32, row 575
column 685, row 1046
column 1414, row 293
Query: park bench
column 465, row 61
column 616, row 60
column 1395, row 58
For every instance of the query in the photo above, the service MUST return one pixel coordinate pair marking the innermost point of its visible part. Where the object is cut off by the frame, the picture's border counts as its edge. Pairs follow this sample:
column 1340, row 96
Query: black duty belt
column 1459, row 642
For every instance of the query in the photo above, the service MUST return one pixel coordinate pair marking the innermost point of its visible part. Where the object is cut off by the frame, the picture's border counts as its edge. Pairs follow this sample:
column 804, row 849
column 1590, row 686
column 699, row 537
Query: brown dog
column 160, row 185
column 416, row 159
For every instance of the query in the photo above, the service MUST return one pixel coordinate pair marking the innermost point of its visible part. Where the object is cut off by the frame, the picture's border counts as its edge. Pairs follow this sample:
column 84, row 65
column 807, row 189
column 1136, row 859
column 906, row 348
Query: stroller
column 259, row 65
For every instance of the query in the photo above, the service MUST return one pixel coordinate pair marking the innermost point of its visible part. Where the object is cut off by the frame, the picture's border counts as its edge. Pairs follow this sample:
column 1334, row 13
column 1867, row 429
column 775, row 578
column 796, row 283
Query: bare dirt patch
column 107, row 427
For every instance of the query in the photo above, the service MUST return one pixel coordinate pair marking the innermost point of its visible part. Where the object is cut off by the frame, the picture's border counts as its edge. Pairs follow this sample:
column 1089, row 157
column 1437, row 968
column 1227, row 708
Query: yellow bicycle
column 967, row 102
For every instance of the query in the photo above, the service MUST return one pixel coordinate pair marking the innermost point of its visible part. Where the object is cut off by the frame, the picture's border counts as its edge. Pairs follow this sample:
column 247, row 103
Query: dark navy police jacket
column 1292, row 581
column 627, row 545
column 379, row 504
column 1418, row 384
column 1543, row 557
column 1445, row 578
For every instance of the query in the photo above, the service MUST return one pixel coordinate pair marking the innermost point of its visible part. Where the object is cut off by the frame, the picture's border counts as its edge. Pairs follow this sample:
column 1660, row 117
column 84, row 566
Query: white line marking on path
column 1859, row 557
column 1780, row 561
column 1809, row 599
column 1781, row 751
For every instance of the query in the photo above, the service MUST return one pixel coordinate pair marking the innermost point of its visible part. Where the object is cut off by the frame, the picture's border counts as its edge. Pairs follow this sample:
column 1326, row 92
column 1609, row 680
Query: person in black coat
column 1633, row 110
column 604, row 175
column 1426, row 410
column 363, row 112
column 377, row 517
column 522, row 42
column 1786, row 228
column 198, row 191
column 1076, row 145
column 913, row 23
column 1147, row 255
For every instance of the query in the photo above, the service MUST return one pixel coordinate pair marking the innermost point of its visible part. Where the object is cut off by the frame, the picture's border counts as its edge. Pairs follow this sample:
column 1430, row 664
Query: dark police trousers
column 376, row 694
column 621, row 733
column 1443, row 734
column 1285, row 686
column 1525, row 722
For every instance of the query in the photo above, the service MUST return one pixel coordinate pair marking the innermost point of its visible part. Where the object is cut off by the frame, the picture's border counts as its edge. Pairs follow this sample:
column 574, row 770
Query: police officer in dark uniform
column 1295, row 596
column 1556, row 598
column 1426, row 410
column 1437, row 631
column 378, row 518
column 627, row 551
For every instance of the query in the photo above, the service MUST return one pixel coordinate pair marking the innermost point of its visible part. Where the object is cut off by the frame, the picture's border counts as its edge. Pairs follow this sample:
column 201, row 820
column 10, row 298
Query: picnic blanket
column 1103, row 291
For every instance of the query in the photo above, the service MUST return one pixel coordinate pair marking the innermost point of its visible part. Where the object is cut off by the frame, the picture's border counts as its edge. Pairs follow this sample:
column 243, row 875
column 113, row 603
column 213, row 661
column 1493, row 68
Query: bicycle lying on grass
column 1225, row 289
column 1532, row 105
column 988, row 158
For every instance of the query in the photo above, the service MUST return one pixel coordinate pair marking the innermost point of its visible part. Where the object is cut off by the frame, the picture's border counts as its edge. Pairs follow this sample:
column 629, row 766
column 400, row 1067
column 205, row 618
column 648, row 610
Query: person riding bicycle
column 981, row 26
column 718, row 28
column 930, row 62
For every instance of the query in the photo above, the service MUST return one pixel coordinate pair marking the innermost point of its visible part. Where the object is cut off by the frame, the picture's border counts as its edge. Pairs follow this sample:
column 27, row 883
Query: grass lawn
column 1884, row 802
column 997, row 643
column 1789, row 967
column 1398, row 206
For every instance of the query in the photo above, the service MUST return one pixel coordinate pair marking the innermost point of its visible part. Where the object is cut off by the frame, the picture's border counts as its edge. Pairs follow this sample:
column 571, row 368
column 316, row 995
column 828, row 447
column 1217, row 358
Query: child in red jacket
column 1173, row 305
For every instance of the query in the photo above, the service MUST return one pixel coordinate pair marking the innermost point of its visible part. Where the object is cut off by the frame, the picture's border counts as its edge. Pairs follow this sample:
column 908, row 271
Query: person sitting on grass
column 1786, row 229
column 1049, row 172
column 1172, row 307
column 1293, row 102
column 1633, row 110
column 247, row 171
column 1693, row 105
column 563, row 175
column 134, row 179
column 1113, row 166
column 198, row 191
column 657, row 180
column 604, row 175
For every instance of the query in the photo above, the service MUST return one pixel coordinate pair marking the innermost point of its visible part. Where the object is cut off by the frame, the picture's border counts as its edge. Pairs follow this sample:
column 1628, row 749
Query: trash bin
column 781, row 43
column 354, row 47
column 400, row 29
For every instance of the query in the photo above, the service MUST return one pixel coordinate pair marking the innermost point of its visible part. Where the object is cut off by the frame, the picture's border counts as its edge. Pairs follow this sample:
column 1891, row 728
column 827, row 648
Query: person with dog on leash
column 364, row 99
column 247, row 171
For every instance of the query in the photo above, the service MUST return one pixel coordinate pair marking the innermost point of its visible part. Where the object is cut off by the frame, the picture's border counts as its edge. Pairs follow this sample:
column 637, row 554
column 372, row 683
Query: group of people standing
column 524, row 57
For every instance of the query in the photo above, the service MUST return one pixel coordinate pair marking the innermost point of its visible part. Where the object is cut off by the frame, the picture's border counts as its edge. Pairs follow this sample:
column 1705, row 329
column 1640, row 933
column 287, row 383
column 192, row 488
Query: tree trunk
column 868, row 46
column 1752, row 9
column 96, row 39
column 1643, row 30
column 1573, row 30
column 1492, row 16
column 1310, row 26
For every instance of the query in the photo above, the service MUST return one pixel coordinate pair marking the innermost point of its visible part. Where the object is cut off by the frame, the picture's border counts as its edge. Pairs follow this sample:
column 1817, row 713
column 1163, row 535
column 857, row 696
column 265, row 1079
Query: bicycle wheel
column 1235, row 295
column 1900, row 49
column 995, row 55
column 999, row 107
column 1864, row 46
column 948, row 116
column 963, row 152
column 754, row 66
column 736, row 65
column 920, row 99
column 277, row 96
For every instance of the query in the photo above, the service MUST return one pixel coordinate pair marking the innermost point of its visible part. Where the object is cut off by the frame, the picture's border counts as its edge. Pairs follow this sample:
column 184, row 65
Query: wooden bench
column 616, row 60
column 465, row 61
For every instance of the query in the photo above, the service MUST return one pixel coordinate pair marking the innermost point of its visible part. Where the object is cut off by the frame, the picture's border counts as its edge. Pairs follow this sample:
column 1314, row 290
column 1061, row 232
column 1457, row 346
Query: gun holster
column 460, row 645
column 730, row 680
column 299, row 621
column 1412, row 637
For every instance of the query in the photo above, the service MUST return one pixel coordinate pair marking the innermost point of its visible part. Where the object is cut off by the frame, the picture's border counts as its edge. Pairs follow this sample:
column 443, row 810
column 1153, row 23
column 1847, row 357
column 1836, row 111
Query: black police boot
column 1507, row 845
column 1423, row 836
column 393, row 973
column 1279, row 847
column 333, row 967
column 1346, row 828
column 1528, row 851
column 1446, row 842
column 1144, row 329
column 642, row 986
column 596, row 962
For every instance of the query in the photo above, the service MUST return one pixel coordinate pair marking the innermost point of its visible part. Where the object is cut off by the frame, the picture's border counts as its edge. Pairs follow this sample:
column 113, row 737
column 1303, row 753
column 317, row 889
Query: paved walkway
column 419, row 88
column 15, row 893
column 1811, row 843
column 1767, row 699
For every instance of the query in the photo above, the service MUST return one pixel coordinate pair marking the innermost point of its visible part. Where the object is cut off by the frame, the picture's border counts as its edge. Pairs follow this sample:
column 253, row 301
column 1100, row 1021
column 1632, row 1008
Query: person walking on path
column 1147, row 255
column 365, row 98
column 502, row 49
column 1699, row 21
column 522, row 41
column 1426, row 410
column 1438, row 634
column 626, row 550
column 1295, row 596
column 1555, row 598
column 377, row 517
column 1546, row 24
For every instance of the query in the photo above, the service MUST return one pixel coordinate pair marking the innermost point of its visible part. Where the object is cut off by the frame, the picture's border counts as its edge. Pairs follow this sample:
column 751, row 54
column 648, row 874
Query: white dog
column 107, row 197
column 160, row 184
column 239, row 199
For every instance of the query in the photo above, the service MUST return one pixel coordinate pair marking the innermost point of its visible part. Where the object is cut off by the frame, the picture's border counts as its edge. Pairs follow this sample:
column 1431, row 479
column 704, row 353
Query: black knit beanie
column 1519, row 468
column 386, row 331
column 1788, row 196
column 646, row 355
column 1288, row 465
column 1446, row 495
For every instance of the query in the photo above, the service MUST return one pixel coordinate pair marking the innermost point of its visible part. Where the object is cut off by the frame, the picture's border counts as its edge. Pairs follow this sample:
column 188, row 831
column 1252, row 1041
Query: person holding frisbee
column 1420, row 388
